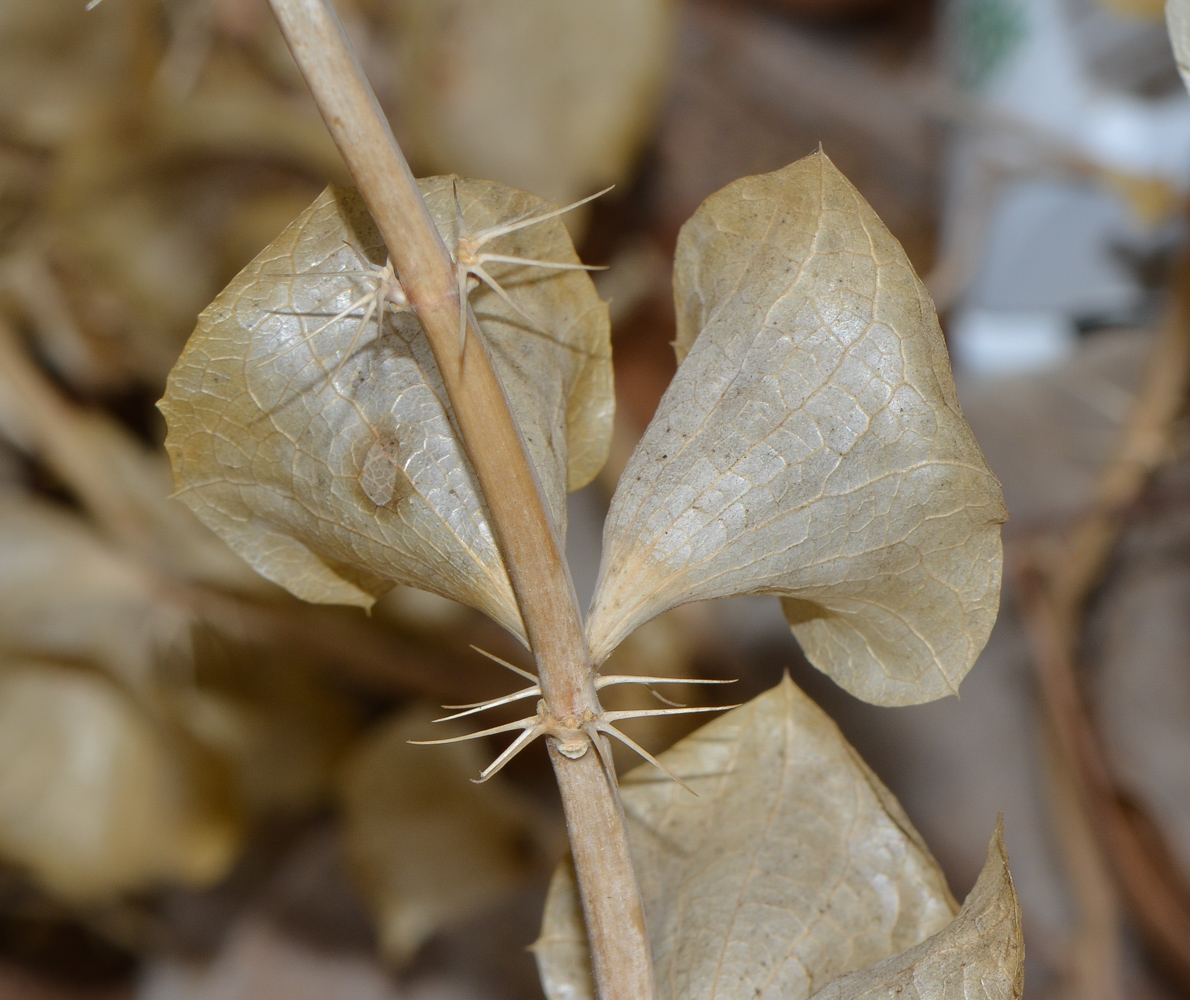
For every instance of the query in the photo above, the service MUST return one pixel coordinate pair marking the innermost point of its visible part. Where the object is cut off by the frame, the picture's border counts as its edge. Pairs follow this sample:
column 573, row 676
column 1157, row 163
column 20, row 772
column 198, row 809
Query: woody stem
column 527, row 537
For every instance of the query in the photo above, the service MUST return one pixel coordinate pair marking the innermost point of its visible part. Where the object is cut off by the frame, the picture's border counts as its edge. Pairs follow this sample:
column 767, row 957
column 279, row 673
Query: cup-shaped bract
column 792, row 867
column 310, row 429
column 810, row 446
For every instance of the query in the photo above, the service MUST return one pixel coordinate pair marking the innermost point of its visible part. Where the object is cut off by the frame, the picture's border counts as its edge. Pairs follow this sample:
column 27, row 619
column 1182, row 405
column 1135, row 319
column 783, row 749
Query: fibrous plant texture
column 309, row 426
column 811, row 445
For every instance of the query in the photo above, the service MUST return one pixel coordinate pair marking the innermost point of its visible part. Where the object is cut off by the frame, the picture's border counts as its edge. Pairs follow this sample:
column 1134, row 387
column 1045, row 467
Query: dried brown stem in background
column 528, row 541
column 1055, row 577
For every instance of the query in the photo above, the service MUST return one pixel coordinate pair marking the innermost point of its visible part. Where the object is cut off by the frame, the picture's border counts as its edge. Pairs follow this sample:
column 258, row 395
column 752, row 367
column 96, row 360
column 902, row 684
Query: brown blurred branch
column 1056, row 576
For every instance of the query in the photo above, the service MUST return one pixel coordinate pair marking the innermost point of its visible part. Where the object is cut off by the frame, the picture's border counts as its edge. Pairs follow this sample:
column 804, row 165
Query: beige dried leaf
column 1177, row 20
column 66, row 594
column 555, row 96
column 314, row 435
column 277, row 727
column 95, row 799
column 810, row 446
column 793, row 866
column 980, row 955
column 429, row 846
column 123, row 485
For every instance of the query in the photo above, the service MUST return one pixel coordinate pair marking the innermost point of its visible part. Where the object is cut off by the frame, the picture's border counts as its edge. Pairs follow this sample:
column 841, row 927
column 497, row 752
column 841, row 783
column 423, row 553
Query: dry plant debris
column 309, row 427
column 1057, row 574
column 555, row 96
column 811, row 446
column 429, row 846
column 67, row 594
column 792, row 869
column 96, row 796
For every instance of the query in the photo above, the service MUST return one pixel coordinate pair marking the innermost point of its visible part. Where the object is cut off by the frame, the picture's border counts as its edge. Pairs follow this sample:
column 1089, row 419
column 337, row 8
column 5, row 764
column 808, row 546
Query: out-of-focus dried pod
column 430, row 847
column 276, row 727
column 810, row 446
column 66, row 594
column 95, row 799
column 309, row 427
column 554, row 96
column 120, row 482
column 793, row 866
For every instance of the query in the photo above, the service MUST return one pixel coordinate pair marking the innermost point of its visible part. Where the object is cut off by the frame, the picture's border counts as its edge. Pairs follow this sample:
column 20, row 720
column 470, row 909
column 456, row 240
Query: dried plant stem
column 527, row 537
column 41, row 421
column 1055, row 581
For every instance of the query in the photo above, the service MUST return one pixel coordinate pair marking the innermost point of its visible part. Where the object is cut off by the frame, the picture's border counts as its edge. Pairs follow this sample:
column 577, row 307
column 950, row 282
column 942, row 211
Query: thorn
column 464, row 305
column 334, row 319
column 494, row 285
column 633, row 745
column 500, row 258
column 494, row 731
column 504, row 663
column 460, row 269
column 611, row 679
column 607, row 680
column 469, row 262
column 609, row 766
column 515, row 747
column 649, row 712
column 483, row 706
column 483, row 236
column 665, row 701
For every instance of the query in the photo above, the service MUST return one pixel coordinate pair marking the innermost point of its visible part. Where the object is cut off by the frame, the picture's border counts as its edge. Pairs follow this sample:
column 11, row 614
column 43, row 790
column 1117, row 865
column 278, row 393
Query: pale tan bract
column 980, row 955
column 792, row 867
column 810, row 446
column 321, row 446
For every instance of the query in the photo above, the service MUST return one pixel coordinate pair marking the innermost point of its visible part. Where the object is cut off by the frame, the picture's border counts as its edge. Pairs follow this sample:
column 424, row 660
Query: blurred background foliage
column 206, row 791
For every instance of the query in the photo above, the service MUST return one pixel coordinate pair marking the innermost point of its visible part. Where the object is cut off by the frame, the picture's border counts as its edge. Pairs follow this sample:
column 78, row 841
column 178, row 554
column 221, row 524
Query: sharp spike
column 367, row 264
column 648, row 712
column 500, row 258
column 512, row 226
column 515, row 747
column 633, row 745
column 459, row 228
column 504, row 663
column 607, row 680
column 310, row 336
column 460, row 270
column 333, row 274
column 609, row 765
column 519, row 217
column 483, row 706
column 355, row 338
column 664, row 700
column 494, row 731
column 464, row 305
column 494, row 285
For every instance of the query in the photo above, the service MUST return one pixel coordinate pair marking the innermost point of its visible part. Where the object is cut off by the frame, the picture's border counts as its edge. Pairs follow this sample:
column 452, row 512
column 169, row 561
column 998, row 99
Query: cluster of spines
column 542, row 724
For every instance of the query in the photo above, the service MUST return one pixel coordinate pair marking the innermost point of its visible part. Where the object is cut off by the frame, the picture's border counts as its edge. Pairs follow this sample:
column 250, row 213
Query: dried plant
column 357, row 411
